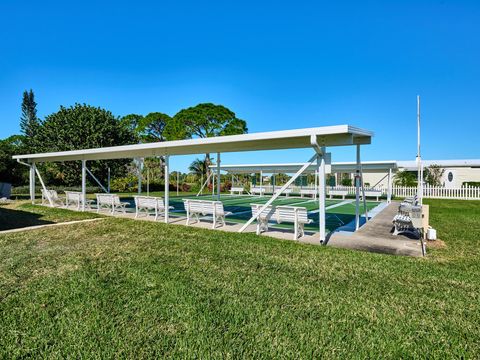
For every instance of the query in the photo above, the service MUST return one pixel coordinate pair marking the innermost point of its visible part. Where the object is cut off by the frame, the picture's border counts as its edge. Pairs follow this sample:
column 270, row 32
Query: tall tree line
column 83, row 126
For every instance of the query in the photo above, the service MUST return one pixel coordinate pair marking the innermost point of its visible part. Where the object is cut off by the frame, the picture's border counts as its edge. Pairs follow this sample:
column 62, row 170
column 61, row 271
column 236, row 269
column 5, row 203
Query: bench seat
column 147, row 203
column 296, row 215
column 112, row 202
column 263, row 218
column 342, row 193
column 75, row 197
column 196, row 208
column 236, row 189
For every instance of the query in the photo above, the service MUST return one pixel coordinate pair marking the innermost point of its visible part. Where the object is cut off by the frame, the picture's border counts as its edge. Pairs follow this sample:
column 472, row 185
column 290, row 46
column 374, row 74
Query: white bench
column 341, row 193
column 53, row 195
column 287, row 192
column 408, row 220
column 236, row 189
column 263, row 218
column 373, row 193
column 147, row 203
column 257, row 190
column 75, row 197
column 412, row 200
column 195, row 208
column 296, row 215
column 111, row 201
column 310, row 192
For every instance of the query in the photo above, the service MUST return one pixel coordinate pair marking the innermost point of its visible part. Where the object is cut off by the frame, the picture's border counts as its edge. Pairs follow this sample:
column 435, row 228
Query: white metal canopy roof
column 465, row 163
column 340, row 135
column 338, row 167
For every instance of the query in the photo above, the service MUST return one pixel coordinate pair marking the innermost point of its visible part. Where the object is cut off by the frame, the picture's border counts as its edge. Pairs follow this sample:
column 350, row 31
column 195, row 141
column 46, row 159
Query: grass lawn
column 125, row 288
column 24, row 214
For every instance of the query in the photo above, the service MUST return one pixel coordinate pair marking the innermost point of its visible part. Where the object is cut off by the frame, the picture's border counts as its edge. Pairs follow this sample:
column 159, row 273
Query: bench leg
column 301, row 230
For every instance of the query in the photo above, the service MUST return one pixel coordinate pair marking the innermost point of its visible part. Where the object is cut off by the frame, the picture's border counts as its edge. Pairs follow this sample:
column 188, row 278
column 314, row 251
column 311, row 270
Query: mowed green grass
column 124, row 288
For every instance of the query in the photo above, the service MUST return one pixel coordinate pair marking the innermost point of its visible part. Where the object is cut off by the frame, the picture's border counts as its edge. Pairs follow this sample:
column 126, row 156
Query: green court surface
column 338, row 212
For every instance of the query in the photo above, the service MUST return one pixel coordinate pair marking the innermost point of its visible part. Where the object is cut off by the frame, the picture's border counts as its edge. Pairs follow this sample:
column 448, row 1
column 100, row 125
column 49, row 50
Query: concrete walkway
column 376, row 236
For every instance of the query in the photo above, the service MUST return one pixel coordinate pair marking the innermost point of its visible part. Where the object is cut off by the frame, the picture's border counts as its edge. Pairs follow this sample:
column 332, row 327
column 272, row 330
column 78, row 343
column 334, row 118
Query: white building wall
column 373, row 178
column 459, row 176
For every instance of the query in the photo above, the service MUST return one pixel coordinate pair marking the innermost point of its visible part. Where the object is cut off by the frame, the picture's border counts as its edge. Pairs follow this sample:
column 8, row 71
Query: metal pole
column 419, row 157
column 96, row 180
column 108, row 180
column 261, row 182
column 178, row 181
column 213, row 184
column 32, row 183
column 218, row 177
column 321, row 194
column 139, row 169
column 84, row 183
column 363, row 189
column 389, row 187
column 357, row 191
column 148, row 181
column 167, row 188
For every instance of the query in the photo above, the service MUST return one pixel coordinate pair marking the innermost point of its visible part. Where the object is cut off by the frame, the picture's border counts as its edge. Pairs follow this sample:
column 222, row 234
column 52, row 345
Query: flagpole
column 419, row 157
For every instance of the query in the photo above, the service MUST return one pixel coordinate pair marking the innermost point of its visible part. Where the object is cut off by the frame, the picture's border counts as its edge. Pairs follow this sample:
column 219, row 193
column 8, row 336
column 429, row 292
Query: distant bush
column 346, row 182
column 185, row 187
column 124, row 184
column 25, row 189
column 471, row 183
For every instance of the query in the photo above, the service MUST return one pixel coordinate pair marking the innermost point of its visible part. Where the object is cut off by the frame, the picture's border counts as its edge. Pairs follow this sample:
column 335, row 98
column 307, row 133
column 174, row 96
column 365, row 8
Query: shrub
column 471, row 183
column 347, row 182
column 25, row 189
column 124, row 184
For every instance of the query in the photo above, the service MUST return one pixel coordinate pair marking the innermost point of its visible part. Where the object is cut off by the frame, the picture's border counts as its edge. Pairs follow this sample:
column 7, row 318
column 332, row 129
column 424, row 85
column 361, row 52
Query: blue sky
column 278, row 65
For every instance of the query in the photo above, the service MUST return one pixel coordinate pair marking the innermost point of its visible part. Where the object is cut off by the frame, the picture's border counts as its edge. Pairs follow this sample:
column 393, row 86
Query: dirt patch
column 436, row 244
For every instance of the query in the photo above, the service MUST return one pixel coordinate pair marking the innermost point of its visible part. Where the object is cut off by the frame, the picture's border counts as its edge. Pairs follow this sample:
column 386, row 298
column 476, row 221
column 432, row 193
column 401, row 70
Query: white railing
column 432, row 192
column 439, row 192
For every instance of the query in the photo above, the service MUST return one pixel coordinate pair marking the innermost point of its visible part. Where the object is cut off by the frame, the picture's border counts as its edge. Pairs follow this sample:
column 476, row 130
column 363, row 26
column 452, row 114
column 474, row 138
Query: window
column 450, row 177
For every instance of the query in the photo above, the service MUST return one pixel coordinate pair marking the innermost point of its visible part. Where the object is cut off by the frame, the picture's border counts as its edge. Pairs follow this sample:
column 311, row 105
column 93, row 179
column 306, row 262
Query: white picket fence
column 438, row 192
column 432, row 192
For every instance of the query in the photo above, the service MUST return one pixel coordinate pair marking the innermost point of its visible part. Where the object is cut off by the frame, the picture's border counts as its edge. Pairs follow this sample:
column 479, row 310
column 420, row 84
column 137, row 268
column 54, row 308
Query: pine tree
column 28, row 121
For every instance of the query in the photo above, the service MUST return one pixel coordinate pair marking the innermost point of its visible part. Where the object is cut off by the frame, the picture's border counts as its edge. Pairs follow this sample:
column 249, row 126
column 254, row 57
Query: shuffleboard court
column 338, row 212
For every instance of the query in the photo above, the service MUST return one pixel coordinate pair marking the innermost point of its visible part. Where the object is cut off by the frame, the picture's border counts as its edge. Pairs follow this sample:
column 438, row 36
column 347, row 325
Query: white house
column 456, row 172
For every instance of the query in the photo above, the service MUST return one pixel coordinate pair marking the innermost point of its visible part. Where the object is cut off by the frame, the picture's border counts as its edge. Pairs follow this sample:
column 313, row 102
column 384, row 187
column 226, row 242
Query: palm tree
column 405, row 178
column 199, row 167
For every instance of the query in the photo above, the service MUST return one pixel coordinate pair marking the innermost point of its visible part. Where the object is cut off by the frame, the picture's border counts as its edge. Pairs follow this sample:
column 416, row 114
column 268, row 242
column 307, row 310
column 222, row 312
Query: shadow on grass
column 16, row 219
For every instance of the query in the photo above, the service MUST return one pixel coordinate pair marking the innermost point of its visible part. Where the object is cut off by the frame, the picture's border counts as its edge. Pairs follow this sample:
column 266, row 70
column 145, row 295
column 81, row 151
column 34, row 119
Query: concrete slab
column 376, row 236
